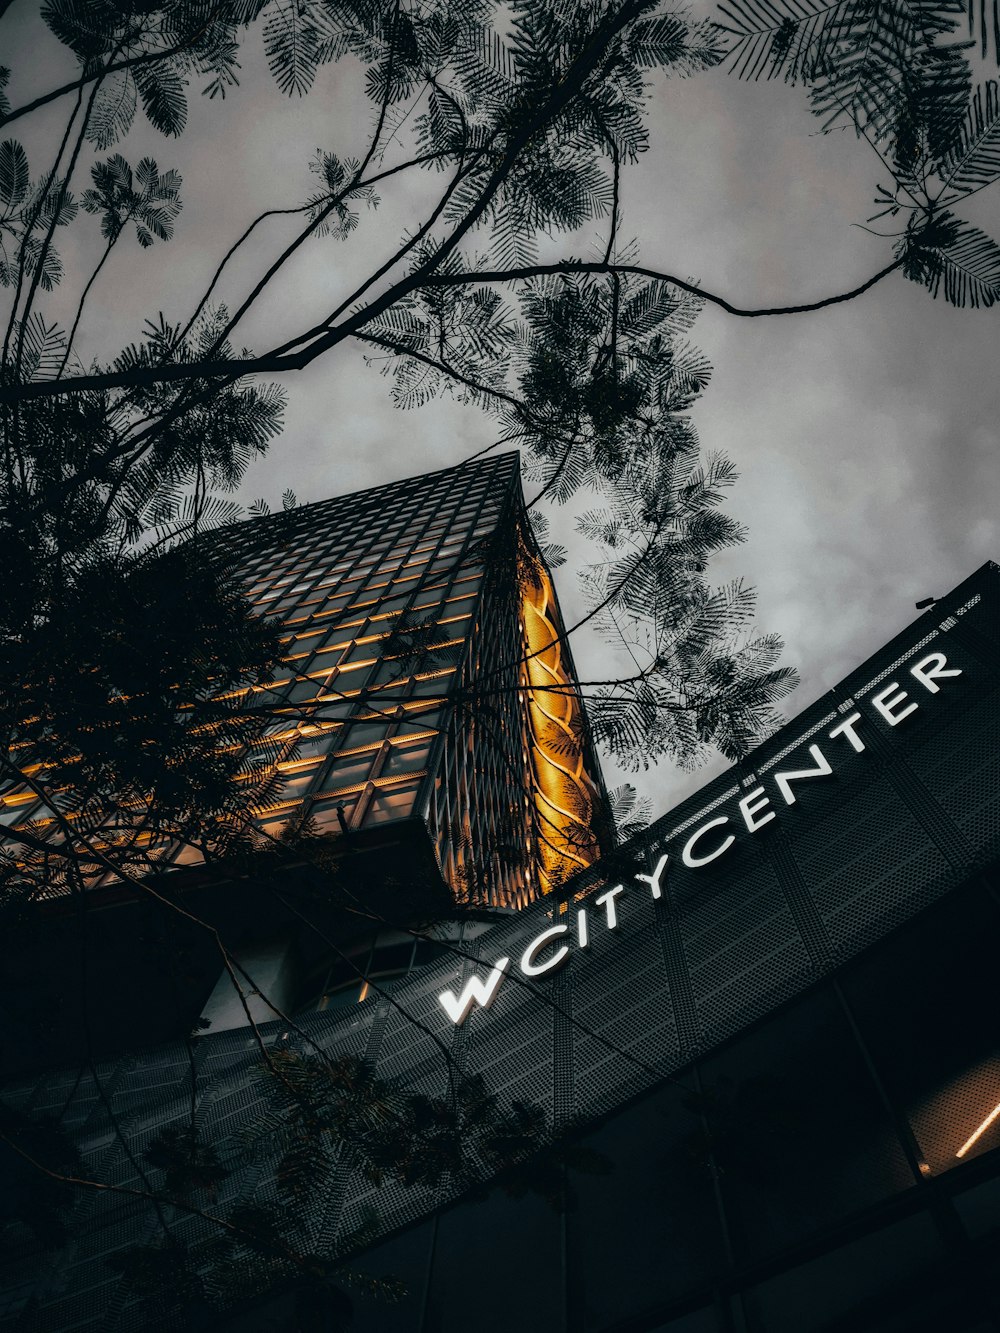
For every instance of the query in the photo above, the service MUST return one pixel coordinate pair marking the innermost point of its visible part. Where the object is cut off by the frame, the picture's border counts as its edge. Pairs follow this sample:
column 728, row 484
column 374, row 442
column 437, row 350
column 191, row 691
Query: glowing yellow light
column 364, row 991
column 978, row 1133
column 564, row 793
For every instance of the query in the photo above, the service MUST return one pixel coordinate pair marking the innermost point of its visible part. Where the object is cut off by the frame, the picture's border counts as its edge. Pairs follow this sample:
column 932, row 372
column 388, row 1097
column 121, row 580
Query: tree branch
column 574, row 266
column 130, row 62
column 81, row 1182
column 271, row 363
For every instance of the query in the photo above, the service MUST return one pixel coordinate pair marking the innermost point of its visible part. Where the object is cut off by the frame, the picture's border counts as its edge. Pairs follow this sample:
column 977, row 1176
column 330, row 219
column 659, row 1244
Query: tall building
column 427, row 677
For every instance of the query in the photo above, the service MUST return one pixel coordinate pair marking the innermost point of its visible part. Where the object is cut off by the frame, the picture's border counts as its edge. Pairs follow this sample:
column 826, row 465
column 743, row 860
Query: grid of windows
column 404, row 694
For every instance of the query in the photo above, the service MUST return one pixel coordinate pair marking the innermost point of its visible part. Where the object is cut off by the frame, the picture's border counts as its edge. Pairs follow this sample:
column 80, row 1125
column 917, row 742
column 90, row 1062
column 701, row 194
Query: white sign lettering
column 705, row 845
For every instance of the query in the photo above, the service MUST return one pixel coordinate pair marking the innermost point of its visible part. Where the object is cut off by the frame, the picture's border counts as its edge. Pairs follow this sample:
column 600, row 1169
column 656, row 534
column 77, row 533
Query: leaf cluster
column 630, row 812
column 129, row 646
column 895, row 72
column 703, row 677
column 322, row 1108
column 146, row 198
column 29, row 213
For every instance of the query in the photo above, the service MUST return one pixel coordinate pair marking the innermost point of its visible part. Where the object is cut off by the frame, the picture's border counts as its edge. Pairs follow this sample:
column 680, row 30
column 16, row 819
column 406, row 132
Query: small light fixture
column 978, row 1133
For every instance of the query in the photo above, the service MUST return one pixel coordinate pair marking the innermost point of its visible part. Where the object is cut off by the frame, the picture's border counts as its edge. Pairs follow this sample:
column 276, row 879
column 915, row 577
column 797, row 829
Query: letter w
column 475, row 991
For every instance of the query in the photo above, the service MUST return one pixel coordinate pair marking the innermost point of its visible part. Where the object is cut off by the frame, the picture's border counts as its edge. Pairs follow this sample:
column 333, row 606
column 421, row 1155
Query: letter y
column 654, row 879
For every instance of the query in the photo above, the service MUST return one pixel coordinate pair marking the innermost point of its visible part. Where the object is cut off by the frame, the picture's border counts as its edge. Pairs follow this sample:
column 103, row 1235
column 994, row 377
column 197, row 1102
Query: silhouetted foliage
column 33, row 1205
column 128, row 647
column 899, row 75
column 108, row 469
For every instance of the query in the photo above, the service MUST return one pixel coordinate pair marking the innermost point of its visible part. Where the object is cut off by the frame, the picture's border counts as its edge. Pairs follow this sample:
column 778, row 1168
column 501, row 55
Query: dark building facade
column 760, row 1045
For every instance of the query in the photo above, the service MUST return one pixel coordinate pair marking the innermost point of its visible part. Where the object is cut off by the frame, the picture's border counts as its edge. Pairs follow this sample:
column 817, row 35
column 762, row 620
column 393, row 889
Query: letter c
column 528, row 965
column 688, row 857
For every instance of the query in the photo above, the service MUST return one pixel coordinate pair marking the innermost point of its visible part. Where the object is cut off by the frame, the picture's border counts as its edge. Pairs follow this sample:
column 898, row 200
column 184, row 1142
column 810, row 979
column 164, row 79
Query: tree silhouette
column 128, row 646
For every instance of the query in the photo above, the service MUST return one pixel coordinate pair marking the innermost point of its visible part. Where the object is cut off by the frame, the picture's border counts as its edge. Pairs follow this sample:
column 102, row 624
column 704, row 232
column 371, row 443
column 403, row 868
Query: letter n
column 475, row 991
column 785, row 780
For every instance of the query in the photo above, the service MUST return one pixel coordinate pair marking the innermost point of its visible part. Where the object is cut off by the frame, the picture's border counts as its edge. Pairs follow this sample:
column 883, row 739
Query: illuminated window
column 348, row 771
column 392, row 803
column 406, row 757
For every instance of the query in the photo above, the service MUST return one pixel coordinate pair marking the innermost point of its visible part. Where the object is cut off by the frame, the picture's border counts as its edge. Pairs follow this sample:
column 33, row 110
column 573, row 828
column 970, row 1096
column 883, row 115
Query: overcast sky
column 866, row 435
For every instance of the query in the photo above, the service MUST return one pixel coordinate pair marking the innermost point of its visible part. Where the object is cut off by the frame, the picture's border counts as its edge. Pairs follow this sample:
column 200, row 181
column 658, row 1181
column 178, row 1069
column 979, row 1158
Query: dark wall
column 802, row 1179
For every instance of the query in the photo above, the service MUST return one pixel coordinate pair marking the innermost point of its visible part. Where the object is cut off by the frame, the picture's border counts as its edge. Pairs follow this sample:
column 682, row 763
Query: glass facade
column 407, row 692
column 379, row 593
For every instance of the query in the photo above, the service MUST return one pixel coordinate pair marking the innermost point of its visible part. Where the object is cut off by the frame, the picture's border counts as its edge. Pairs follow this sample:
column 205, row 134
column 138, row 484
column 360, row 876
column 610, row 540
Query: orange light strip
column 564, row 794
column 978, row 1134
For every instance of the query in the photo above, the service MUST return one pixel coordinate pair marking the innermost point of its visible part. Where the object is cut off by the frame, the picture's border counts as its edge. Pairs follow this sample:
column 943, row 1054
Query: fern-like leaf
column 785, row 40
column 113, row 110
column 957, row 259
column 973, row 160
column 161, row 91
column 14, row 176
column 292, row 43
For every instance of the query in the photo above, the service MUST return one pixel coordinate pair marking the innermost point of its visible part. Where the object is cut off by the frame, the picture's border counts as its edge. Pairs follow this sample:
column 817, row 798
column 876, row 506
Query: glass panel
column 323, row 810
column 416, row 721
column 329, row 654
column 365, row 733
column 407, row 1258
column 796, row 1128
column 298, row 690
column 306, row 642
column 392, row 605
column 892, row 1281
column 423, row 689
column 430, row 951
column 497, row 1268
column 348, row 771
column 315, row 745
column 391, row 672
column 394, row 803
column 295, row 784
column 979, row 1208
column 394, row 958
column 332, row 708
column 410, row 757
column 365, row 651
column 644, row 1229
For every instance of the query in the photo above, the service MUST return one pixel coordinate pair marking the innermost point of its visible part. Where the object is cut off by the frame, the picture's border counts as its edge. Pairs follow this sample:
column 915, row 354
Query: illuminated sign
column 554, row 946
